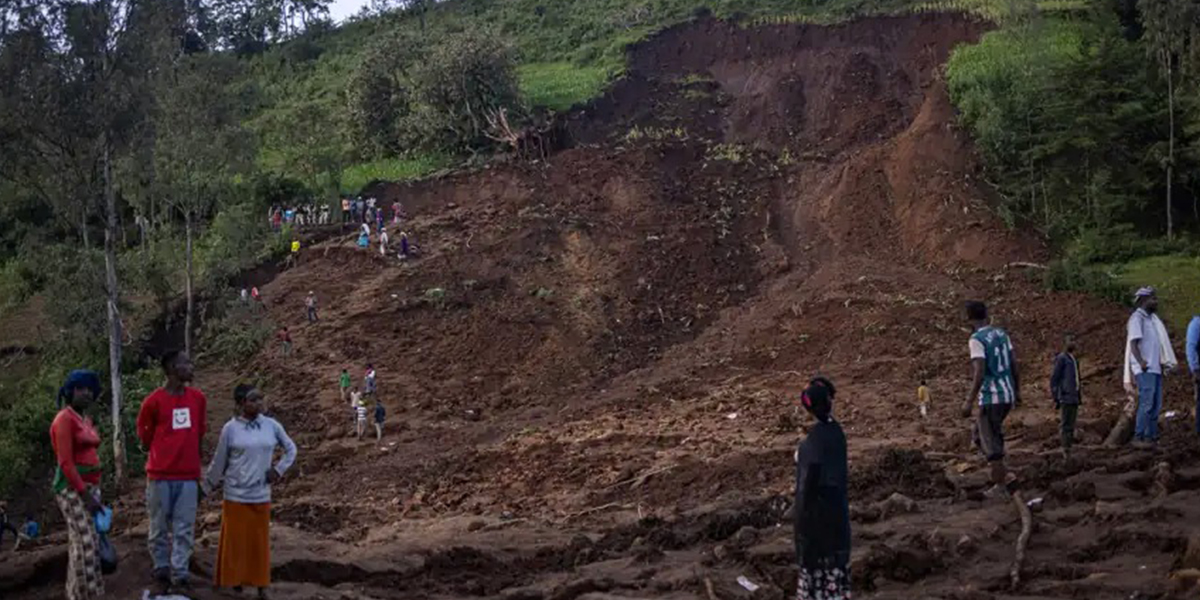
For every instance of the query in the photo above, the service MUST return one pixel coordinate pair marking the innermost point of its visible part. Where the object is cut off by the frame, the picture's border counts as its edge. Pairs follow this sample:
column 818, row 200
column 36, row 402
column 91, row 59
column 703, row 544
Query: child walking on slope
column 360, row 411
column 923, row 399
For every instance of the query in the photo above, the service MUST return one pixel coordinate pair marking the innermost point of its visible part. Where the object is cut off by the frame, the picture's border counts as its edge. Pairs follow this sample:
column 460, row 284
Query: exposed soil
column 591, row 372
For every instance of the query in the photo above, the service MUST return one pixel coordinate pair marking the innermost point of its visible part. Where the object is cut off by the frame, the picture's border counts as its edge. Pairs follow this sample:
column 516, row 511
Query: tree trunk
column 114, row 316
column 191, row 301
column 1171, row 143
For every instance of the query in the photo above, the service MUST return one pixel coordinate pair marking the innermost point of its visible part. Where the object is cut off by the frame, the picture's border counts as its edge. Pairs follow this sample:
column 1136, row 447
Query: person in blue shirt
column 1193, row 358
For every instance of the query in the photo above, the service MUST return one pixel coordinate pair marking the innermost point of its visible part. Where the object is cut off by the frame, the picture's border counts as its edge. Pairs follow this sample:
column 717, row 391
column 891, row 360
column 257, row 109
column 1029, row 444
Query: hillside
column 592, row 369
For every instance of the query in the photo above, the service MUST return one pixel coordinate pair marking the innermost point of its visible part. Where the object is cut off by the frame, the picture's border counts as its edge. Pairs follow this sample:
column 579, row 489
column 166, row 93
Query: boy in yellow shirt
column 923, row 399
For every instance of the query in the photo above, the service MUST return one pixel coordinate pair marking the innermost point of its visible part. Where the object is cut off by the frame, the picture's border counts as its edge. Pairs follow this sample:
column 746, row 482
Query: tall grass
column 561, row 85
column 357, row 177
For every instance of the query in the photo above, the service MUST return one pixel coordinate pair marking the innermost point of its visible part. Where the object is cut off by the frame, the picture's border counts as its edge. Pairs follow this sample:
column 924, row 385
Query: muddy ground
column 592, row 370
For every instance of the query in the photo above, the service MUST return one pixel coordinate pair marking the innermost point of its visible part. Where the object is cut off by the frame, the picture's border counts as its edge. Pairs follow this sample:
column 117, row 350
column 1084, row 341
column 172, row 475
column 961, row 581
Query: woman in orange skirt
column 243, row 464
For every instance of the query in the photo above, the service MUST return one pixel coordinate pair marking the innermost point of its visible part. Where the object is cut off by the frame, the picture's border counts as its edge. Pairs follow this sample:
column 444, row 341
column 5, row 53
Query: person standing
column 822, row 506
column 369, row 380
column 345, row 210
column 1193, row 358
column 923, row 399
column 404, row 249
column 77, row 482
column 1066, row 392
column 355, row 400
column 360, row 413
column 379, row 219
column 995, row 386
column 310, row 307
column 396, row 210
column 171, row 425
column 383, row 242
column 344, row 383
column 380, row 416
column 1148, row 353
column 242, row 463
column 285, row 341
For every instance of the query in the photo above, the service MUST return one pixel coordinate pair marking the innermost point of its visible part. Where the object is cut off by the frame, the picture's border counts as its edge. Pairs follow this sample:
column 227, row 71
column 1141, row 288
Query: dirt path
column 591, row 374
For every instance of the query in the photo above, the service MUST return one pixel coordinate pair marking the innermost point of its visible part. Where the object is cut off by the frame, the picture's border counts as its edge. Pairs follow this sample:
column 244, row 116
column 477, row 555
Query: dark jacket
column 822, row 510
column 1064, row 383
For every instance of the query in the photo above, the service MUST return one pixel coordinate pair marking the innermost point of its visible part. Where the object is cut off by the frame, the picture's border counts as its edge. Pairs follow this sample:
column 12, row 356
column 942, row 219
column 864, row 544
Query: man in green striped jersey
column 995, row 386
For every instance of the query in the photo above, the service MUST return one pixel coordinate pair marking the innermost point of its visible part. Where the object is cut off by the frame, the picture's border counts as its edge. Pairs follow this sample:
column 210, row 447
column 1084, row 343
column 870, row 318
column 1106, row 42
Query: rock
column 212, row 518
column 1191, row 556
column 1108, row 510
column 476, row 525
column 745, row 537
column 865, row 514
column 966, row 545
column 720, row 552
column 1184, row 580
column 898, row 504
column 334, row 432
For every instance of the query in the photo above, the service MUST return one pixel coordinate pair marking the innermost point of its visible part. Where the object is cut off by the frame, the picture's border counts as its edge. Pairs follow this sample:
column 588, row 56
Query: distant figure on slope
column 355, row 400
column 380, row 415
column 369, row 380
column 344, row 383
column 285, row 342
column 1148, row 355
column 345, row 210
column 379, row 219
column 405, row 248
column 822, row 506
column 995, row 386
column 360, row 412
column 923, row 399
column 397, row 208
column 1066, row 392
column 241, row 465
column 310, row 307
column 383, row 242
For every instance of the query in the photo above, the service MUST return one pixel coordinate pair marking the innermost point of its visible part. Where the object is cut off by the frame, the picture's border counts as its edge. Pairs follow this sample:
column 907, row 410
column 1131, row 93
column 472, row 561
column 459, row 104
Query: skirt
column 244, row 553
column 84, row 579
column 823, row 584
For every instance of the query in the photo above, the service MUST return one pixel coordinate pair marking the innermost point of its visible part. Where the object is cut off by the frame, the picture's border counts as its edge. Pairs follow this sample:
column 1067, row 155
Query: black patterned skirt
column 823, row 584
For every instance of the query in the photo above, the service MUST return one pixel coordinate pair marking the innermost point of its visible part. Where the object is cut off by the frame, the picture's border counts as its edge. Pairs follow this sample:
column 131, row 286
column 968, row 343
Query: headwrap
column 77, row 379
column 817, row 398
column 1143, row 292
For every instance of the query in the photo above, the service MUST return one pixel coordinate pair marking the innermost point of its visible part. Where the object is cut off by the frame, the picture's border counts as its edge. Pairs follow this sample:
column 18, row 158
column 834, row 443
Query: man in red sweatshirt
column 171, row 425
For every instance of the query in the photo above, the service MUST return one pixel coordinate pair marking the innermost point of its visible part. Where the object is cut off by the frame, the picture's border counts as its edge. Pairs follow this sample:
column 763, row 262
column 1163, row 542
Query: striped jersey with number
column 993, row 346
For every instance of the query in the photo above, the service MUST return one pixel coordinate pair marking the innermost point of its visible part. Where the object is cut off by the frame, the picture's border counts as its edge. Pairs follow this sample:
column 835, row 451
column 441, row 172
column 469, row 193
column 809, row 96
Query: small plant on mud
column 657, row 134
column 734, row 153
column 693, row 79
column 785, row 158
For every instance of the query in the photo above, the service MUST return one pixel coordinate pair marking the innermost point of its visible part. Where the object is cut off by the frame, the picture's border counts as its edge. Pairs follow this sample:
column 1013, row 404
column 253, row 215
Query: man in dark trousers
column 1066, row 391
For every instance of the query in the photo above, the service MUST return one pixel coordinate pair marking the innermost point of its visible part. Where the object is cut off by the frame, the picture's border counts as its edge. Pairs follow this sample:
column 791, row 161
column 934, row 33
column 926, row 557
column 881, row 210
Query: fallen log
column 1023, row 539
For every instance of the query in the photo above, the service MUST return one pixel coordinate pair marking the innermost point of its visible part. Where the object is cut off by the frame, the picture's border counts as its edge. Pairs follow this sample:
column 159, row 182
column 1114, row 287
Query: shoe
column 997, row 492
column 183, row 587
column 162, row 583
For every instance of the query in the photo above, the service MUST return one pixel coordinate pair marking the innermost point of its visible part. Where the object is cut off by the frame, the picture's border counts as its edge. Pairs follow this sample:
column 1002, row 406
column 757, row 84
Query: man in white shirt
column 1145, row 352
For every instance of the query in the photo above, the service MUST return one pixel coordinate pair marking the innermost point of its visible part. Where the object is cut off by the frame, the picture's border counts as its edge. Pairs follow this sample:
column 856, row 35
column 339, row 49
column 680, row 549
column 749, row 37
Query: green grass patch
column 1177, row 279
column 561, row 85
column 356, row 177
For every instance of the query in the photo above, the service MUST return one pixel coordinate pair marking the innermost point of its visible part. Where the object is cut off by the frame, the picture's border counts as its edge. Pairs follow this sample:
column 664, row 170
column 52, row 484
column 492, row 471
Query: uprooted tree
column 406, row 96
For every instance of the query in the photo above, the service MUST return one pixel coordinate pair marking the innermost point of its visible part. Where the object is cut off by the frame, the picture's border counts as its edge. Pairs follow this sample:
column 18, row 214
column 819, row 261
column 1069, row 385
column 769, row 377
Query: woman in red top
column 77, row 481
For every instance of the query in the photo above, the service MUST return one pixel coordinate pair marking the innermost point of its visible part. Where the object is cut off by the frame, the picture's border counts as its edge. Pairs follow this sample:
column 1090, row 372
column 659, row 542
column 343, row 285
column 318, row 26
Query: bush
column 238, row 334
column 1066, row 275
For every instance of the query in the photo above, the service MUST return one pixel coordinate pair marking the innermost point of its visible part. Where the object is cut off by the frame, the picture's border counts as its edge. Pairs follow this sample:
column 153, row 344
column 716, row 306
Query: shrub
column 238, row 334
column 1067, row 275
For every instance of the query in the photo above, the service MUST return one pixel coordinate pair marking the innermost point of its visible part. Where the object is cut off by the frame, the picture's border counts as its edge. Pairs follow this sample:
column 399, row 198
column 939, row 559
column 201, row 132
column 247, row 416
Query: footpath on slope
column 591, row 372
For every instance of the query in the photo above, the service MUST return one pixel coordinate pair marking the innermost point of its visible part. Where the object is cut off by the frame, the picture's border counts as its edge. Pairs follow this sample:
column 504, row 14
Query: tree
column 79, row 68
column 200, row 147
column 1169, row 25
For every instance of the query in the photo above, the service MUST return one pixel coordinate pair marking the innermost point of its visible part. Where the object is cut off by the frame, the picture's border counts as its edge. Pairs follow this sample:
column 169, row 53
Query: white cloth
column 1167, row 355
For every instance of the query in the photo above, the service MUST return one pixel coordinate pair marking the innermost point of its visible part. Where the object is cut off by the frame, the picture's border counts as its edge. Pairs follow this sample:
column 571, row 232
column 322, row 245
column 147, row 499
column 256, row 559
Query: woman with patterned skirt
column 77, row 482
column 822, row 509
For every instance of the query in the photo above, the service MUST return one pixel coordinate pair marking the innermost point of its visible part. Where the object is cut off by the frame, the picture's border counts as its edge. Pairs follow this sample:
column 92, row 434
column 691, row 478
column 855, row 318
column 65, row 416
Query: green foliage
column 1067, row 275
column 1177, row 279
column 561, row 85
column 238, row 334
column 356, row 177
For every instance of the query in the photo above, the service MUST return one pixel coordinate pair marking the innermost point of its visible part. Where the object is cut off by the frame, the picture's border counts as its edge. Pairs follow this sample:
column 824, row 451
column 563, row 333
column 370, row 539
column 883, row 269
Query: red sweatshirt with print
column 171, row 428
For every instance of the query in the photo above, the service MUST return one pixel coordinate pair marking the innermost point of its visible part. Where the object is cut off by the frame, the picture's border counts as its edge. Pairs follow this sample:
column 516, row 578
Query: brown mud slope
column 592, row 371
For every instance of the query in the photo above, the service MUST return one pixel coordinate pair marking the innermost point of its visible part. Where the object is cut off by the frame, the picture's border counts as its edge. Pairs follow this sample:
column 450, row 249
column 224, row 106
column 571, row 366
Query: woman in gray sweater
column 243, row 462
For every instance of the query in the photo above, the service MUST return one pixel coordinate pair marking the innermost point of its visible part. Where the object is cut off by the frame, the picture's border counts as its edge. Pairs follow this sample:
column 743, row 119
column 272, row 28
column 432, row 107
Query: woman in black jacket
column 822, row 508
